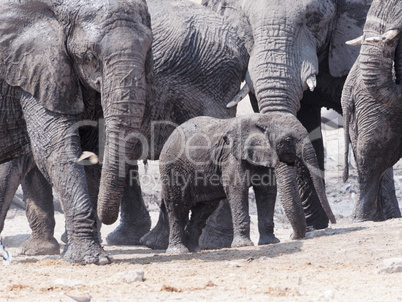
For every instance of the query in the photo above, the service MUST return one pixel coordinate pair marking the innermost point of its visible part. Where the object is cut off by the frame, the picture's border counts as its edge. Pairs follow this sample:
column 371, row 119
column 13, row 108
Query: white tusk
column 355, row 42
column 388, row 36
column 93, row 158
column 312, row 82
column 239, row 96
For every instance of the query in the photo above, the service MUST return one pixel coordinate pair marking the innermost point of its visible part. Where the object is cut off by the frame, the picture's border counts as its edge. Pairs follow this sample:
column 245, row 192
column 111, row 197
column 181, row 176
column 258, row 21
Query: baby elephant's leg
column 237, row 195
column 178, row 218
column 199, row 215
column 265, row 195
column 40, row 213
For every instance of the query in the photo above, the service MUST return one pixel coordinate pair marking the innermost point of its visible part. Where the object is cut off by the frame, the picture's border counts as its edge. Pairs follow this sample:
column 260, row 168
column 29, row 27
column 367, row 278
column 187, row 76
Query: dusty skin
column 341, row 263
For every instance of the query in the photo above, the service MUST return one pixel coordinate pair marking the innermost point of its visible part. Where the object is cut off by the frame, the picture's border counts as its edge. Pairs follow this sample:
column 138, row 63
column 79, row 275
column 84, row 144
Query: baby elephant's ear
column 257, row 149
column 248, row 141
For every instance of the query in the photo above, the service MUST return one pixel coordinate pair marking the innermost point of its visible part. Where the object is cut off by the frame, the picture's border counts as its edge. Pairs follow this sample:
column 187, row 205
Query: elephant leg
column 178, row 218
column 237, row 195
column 135, row 221
column 93, row 175
column 40, row 213
column 199, row 215
column 310, row 117
column 56, row 148
column 218, row 232
column 388, row 197
column 158, row 237
column 368, row 207
column 11, row 175
column 265, row 196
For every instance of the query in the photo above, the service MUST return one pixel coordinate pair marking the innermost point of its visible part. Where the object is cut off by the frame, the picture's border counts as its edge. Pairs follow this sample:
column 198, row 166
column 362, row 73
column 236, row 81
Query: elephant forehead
column 107, row 12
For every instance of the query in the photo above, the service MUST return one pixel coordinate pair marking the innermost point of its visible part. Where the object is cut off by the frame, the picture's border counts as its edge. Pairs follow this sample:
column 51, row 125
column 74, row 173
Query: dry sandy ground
column 342, row 263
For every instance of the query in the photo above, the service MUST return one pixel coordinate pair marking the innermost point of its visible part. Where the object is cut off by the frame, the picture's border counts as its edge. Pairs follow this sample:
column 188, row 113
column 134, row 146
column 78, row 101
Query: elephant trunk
column 309, row 158
column 377, row 60
column 290, row 199
column 281, row 68
column 124, row 94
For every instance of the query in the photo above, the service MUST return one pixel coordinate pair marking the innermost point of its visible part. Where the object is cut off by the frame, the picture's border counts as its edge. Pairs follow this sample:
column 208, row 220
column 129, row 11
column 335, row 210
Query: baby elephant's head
column 268, row 139
column 287, row 138
column 286, row 149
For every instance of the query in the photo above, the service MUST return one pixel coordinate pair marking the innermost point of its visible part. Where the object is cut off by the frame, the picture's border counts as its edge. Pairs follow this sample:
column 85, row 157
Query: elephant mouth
column 289, row 158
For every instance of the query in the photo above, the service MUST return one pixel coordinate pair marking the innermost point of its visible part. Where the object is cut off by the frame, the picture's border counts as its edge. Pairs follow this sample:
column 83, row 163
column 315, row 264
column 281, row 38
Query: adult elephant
column 199, row 64
column 372, row 102
column 296, row 46
column 54, row 57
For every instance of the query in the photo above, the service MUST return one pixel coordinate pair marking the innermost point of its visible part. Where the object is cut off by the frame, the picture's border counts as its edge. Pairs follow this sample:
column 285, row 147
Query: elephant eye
column 314, row 21
column 88, row 57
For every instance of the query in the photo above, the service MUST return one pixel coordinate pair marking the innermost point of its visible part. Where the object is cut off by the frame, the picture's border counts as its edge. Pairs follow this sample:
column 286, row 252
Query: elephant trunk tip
column 106, row 215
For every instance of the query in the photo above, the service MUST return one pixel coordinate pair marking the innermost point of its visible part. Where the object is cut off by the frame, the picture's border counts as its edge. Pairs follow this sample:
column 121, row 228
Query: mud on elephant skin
column 295, row 48
column 200, row 165
column 86, row 52
column 372, row 103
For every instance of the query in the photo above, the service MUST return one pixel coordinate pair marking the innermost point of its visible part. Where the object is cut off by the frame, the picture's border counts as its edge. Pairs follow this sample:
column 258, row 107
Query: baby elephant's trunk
column 309, row 158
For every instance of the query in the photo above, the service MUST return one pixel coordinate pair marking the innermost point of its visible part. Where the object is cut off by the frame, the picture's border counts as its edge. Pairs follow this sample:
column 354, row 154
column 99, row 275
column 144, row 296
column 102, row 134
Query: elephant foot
column 241, row 241
column 213, row 238
column 128, row 234
column 362, row 218
column 158, row 237
column 39, row 246
column 63, row 237
column 268, row 239
column 296, row 236
column 177, row 249
column 86, row 252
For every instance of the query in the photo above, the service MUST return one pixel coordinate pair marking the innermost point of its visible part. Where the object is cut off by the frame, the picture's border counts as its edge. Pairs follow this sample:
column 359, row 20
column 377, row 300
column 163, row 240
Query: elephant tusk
column 388, row 36
column 239, row 96
column 355, row 42
column 93, row 158
column 312, row 82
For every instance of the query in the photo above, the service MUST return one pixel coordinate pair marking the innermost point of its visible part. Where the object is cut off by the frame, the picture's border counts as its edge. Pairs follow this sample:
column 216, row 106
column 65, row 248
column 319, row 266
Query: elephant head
column 277, row 140
column 54, row 49
column 382, row 47
column 288, row 40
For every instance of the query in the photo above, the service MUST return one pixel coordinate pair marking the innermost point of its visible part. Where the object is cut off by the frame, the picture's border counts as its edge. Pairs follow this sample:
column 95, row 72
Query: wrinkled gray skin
column 200, row 165
column 96, row 47
column 289, row 41
column 199, row 66
column 372, row 102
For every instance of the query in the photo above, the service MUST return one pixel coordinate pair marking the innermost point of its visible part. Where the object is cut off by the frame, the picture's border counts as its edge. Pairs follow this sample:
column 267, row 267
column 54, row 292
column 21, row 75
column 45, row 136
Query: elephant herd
column 133, row 80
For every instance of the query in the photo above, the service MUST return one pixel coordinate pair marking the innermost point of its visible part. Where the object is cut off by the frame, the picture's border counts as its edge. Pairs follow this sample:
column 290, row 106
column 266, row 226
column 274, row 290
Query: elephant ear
column 249, row 142
column 349, row 25
column 33, row 56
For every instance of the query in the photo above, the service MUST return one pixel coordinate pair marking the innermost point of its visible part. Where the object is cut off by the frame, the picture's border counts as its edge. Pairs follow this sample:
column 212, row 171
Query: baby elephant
column 208, row 159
